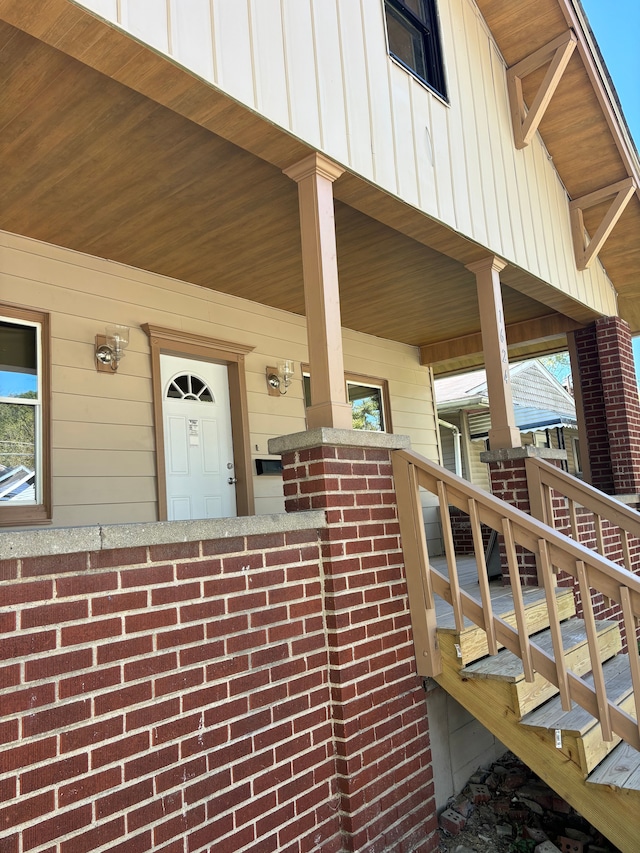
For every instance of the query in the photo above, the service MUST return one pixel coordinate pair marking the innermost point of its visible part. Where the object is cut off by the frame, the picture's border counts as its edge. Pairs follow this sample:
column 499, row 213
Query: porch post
column 315, row 176
column 608, row 407
column 506, row 458
column 503, row 433
column 385, row 790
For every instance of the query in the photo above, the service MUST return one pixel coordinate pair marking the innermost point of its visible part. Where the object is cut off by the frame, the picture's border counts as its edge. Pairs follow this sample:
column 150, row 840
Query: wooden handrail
column 542, row 476
column 552, row 549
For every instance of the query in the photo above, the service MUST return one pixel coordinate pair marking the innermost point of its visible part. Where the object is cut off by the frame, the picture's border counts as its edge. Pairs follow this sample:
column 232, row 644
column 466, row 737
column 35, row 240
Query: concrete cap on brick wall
column 527, row 451
column 322, row 436
column 70, row 540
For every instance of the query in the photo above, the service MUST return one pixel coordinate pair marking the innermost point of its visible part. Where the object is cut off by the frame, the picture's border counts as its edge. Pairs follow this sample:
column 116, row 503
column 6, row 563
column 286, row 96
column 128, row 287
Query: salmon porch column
column 315, row 176
column 503, row 433
column 506, row 457
column 606, row 394
column 384, row 778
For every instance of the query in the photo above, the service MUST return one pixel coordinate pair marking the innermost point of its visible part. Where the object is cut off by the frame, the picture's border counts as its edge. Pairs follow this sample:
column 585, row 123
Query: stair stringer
column 615, row 812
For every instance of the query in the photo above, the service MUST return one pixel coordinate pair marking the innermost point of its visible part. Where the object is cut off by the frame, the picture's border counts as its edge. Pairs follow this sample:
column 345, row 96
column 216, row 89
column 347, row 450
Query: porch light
column 110, row 347
column 279, row 379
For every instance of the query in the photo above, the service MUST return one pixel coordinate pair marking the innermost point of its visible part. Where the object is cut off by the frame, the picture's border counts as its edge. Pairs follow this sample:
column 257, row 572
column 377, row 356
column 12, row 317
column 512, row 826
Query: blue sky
column 616, row 26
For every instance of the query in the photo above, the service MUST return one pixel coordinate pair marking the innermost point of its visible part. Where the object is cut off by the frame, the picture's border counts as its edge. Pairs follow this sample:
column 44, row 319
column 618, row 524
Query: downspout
column 456, row 445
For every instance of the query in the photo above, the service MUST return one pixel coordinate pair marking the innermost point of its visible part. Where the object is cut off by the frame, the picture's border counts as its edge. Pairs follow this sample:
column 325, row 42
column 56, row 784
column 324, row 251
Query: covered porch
column 118, row 153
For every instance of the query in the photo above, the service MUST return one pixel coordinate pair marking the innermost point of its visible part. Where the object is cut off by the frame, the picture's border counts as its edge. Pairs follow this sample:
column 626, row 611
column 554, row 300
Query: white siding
column 320, row 69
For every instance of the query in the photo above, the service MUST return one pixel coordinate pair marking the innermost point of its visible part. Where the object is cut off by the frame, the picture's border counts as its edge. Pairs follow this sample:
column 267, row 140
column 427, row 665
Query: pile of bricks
column 506, row 808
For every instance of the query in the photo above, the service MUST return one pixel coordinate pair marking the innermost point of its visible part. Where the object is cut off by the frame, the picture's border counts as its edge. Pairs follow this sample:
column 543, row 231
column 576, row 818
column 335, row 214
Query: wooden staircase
column 565, row 748
column 554, row 689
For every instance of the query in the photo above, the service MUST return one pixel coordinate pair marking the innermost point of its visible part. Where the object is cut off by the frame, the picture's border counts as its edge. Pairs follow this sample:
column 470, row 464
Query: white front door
column 198, row 448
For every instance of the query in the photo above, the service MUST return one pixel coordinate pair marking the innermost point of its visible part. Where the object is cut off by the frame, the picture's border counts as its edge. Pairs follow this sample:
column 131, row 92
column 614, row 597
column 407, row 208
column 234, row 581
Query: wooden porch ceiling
column 137, row 161
column 94, row 166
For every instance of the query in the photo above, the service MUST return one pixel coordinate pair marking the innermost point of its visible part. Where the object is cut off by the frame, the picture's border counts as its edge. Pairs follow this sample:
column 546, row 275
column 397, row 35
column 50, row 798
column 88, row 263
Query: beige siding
column 320, row 69
column 479, row 470
column 102, row 431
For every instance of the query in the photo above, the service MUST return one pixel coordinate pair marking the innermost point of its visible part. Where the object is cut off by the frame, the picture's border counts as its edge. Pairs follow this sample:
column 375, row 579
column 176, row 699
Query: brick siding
column 603, row 608
column 610, row 403
column 174, row 698
column 462, row 534
column 509, row 483
column 193, row 697
column 385, row 779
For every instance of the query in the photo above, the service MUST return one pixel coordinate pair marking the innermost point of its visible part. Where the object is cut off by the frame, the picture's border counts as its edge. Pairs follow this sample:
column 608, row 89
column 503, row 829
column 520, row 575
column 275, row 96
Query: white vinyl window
column 24, row 481
column 369, row 398
column 367, row 406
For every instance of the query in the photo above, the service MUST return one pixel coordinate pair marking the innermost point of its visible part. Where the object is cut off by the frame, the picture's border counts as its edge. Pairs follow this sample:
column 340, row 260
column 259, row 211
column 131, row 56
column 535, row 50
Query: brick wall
column 595, row 418
column 174, row 698
column 461, row 532
column 384, row 774
column 606, row 374
column 603, row 608
column 509, row 483
column 185, row 698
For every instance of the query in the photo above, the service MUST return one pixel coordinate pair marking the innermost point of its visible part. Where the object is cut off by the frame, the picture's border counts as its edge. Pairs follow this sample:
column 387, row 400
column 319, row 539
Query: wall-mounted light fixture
column 279, row 378
column 110, row 348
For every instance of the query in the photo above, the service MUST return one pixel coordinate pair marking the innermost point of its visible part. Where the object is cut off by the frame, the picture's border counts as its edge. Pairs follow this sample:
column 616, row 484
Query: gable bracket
column 587, row 248
column 558, row 53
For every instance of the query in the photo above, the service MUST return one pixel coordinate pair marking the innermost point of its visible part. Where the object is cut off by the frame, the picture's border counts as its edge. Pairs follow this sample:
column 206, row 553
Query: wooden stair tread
column 506, row 666
column 578, row 721
column 620, row 769
column 501, row 601
column 614, row 810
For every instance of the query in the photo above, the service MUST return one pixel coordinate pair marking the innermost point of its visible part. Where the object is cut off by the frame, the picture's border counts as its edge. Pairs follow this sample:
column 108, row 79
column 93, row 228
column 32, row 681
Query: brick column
column 608, row 408
column 509, row 483
column 381, row 733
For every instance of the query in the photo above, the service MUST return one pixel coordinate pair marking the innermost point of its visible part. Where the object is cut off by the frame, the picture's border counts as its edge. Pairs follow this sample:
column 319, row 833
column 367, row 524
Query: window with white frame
column 414, row 40
column 24, row 430
column 369, row 398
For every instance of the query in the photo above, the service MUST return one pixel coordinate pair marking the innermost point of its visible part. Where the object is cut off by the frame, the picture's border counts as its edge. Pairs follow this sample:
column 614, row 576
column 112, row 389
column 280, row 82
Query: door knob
column 232, row 480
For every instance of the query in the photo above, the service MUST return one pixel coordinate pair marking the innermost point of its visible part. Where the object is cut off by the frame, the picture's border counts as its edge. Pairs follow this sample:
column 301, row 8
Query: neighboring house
column 17, row 484
column 230, row 232
column 545, row 414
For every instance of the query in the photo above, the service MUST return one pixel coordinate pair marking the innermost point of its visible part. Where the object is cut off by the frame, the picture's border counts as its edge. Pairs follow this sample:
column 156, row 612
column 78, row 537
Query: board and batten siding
column 102, row 432
column 320, row 69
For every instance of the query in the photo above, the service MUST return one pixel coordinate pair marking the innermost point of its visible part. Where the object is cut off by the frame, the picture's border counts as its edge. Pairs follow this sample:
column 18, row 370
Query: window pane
column 418, row 9
column 306, row 389
column 17, row 453
column 18, row 361
column 366, row 405
column 406, row 42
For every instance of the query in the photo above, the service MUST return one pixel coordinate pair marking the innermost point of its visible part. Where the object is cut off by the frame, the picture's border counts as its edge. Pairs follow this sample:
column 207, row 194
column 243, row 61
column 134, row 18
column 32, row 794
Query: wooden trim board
column 176, row 342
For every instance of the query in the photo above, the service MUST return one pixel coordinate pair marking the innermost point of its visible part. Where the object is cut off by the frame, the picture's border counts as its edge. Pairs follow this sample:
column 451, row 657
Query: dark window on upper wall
column 25, row 481
column 414, row 39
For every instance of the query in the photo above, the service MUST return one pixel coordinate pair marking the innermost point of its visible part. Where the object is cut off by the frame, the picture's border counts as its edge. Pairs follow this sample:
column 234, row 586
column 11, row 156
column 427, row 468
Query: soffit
column 588, row 152
column 91, row 165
